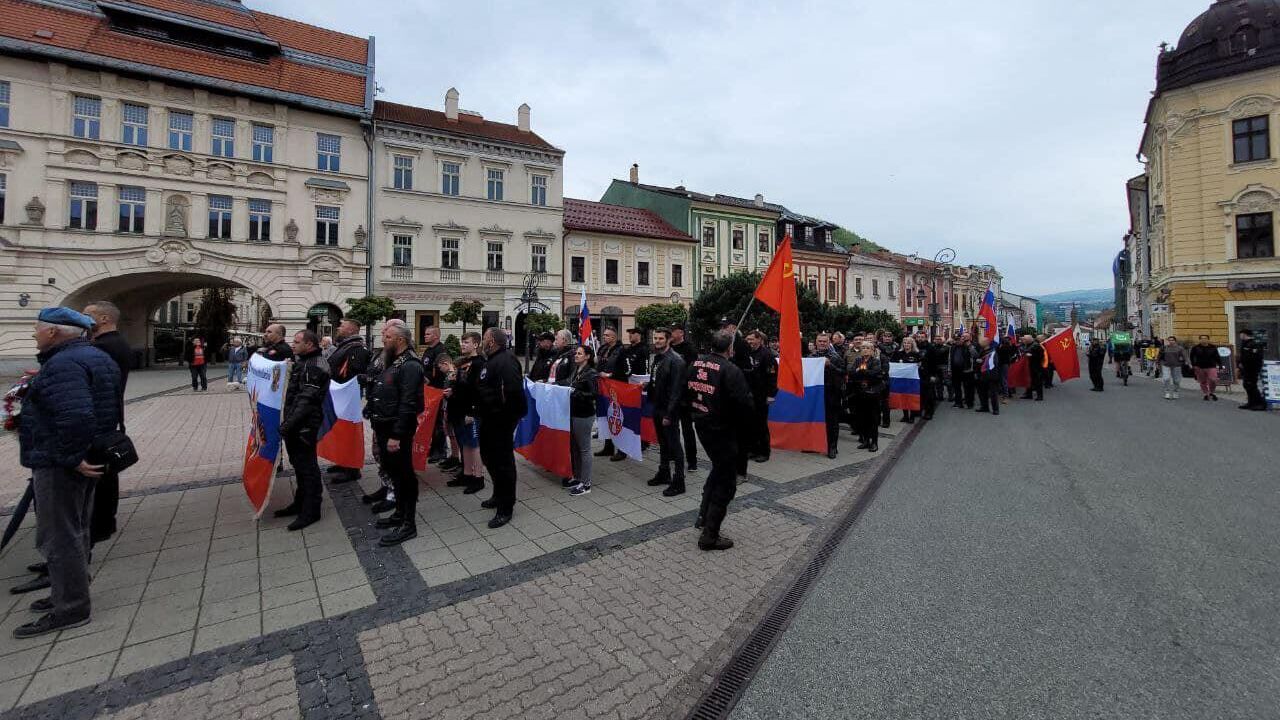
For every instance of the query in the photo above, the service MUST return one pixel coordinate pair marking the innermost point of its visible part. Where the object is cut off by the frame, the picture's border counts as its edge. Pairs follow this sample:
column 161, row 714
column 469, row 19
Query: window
column 173, row 311
column 538, row 192
column 495, row 184
column 260, row 220
column 84, row 206
column 677, row 276
column 642, row 273
column 763, row 242
column 328, row 152
column 133, row 128
column 833, row 292
column 402, row 250
column 450, row 178
column 180, row 125
column 3, row 182
column 538, row 257
column 857, row 287
column 1251, row 139
column 738, row 241
column 813, row 284
column 708, row 279
column 403, row 174
column 709, row 236
column 264, row 143
column 1253, row 236
column 220, row 217
column 224, row 138
column 327, row 225
column 191, row 312
column 946, row 300
column 891, row 295
column 875, row 288
column 808, row 234
column 791, row 230
column 449, row 253
column 4, row 104
column 87, row 119
column 133, row 209
column 610, row 272
column 577, row 269
column 494, row 263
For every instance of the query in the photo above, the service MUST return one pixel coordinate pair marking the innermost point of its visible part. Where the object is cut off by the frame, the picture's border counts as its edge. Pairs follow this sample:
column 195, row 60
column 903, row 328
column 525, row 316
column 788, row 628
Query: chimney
column 759, row 200
column 635, row 173
column 856, row 247
column 522, row 113
column 451, row 105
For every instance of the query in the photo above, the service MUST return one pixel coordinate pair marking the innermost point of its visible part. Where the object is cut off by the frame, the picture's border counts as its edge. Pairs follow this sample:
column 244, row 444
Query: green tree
column 370, row 309
column 1027, row 331
column 729, row 296
column 466, row 312
column 849, row 238
column 538, row 323
column 216, row 313
column 660, row 315
column 453, row 344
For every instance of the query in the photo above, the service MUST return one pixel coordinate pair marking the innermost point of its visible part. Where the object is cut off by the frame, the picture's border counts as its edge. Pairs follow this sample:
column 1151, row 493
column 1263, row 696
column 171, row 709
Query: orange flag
column 432, row 398
column 1061, row 351
column 778, row 291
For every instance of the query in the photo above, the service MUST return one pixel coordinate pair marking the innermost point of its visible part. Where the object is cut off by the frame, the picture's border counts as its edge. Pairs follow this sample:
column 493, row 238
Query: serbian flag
column 266, row 384
column 585, row 335
column 542, row 436
column 341, row 439
column 778, row 290
column 1063, row 355
column 798, row 421
column 432, row 399
column 904, row 386
column 618, row 415
column 648, row 433
column 990, row 322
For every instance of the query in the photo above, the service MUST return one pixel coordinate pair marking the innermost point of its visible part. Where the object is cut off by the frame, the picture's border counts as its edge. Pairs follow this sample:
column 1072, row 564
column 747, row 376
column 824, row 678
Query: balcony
column 401, row 272
column 450, row 275
column 456, row 276
column 494, row 277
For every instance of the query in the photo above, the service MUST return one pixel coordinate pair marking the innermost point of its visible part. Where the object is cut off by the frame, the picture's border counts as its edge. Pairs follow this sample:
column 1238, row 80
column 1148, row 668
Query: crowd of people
column 1169, row 361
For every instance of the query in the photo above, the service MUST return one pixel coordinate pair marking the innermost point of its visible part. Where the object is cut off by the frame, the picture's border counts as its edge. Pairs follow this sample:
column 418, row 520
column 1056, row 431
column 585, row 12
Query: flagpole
column 744, row 312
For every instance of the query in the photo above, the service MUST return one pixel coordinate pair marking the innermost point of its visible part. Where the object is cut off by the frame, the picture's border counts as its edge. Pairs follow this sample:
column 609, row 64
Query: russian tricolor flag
column 542, row 436
column 648, row 432
column 904, row 386
column 341, row 439
column 799, row 423
column 618, row 415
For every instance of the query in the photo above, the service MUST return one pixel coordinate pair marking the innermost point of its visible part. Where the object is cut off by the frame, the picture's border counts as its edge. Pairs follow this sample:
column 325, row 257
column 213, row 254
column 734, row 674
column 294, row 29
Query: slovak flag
column 585, row 336
column 988, row 313
column 265, row 381
column 341, row 439
column 618, row 414
column 904, row 386
column 542, row 436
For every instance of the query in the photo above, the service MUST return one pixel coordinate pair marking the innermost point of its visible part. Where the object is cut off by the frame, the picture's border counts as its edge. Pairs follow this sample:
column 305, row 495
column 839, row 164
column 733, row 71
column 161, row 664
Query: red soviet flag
column 778, row 291
column 1062, row 352
column 431, row 401
column 1020, row 373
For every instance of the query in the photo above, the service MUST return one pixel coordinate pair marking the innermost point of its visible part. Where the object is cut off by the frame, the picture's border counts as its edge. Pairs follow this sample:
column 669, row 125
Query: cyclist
column 1121, row 345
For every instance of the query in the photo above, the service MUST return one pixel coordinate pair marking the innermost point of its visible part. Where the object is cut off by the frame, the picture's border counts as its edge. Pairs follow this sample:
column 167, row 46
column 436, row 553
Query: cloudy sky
column 1003, row 129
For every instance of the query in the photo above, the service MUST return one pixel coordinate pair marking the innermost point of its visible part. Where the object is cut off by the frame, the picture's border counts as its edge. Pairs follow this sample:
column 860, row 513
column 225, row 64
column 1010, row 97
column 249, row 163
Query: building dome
column 1231, row 37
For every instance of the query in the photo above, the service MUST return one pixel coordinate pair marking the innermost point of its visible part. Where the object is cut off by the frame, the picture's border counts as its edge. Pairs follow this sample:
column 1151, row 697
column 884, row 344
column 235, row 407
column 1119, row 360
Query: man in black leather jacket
column 612, row 363
column 300, row 427
column 762, row 379
column 394, row 403
column 501, row 404
column 964, row 361
column 833, row 388
column 666, row 384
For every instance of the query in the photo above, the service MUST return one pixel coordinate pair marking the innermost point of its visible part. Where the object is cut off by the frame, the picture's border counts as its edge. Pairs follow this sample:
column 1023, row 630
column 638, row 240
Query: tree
column 729, row 296
column 538, row 323
column 849, row 238
column 216, row 313
column 1027, row 331
column 453, row 344
column 370, row 309
column 660, row 315
column 465, row 312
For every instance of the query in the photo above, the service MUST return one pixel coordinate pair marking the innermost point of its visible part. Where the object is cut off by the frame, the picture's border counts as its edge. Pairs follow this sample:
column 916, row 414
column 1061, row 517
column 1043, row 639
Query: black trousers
column 962, row 388
column 199, row 374
column 669, row 451
column 106, row 503
column 1095, row 376
column 763, row 439
column 437, row 438
column 690, row 439
column 988, row 388
column 1250, row 382
column 499, row 457
column 302, row 456
column 1037, row 384
column 932, row 392
column 884, row 405
column 398, row 466
column 721, row 445
column 866, row 417
column 833, row 419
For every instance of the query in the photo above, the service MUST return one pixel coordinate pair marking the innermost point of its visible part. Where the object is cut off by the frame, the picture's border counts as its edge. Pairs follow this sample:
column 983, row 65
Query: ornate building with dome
column 1202, row 249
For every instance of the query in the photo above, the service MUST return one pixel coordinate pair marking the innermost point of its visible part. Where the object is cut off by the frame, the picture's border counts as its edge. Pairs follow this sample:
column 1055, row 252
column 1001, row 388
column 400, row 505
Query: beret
column 65, row 316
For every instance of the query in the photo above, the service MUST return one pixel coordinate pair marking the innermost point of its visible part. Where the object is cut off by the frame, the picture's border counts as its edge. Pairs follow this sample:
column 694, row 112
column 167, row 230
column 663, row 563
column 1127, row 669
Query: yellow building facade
column 1213, row 179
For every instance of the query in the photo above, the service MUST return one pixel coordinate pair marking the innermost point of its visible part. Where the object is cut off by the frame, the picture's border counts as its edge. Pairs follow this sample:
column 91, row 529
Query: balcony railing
column 447, row 275
column 495, row 276
column 401, row 272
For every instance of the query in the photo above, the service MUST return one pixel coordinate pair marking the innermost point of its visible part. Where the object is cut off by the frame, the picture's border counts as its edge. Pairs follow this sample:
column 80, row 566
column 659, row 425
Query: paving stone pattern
column 265, row 692
column 821, row 501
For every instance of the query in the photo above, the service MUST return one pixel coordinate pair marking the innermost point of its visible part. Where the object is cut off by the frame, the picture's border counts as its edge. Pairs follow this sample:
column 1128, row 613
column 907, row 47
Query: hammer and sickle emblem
column 1064, row 343
column 786, row 270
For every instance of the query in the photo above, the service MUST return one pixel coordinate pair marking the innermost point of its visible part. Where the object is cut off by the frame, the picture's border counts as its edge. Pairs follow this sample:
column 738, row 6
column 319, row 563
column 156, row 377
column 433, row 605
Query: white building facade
column 868, row 283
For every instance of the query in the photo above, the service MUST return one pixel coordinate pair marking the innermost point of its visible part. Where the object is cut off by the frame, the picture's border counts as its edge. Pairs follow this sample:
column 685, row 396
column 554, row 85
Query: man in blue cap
column 74, row 399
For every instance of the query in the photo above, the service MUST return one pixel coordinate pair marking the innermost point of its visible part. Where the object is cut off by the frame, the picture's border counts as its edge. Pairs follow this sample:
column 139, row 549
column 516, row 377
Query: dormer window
column 1244, row 41
column 137, row 19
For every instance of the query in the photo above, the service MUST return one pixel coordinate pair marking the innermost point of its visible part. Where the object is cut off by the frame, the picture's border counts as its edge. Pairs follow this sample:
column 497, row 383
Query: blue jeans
column 235, row 372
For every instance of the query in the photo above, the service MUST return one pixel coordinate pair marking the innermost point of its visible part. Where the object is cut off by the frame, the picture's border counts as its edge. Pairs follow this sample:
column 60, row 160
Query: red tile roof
column 465, row 125
column 617, row 220
column 91, row 34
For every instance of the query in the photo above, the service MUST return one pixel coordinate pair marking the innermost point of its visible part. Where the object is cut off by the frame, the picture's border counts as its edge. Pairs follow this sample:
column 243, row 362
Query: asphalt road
column 1108, row 555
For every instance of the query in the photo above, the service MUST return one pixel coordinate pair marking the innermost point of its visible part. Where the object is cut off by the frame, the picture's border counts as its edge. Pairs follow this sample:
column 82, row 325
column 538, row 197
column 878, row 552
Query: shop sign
column 1254, row 285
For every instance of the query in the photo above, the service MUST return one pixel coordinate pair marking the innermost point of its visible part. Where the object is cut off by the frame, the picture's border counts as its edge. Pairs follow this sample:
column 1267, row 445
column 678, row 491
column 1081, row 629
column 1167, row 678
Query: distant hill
column 1084, row 297
column 847, row 238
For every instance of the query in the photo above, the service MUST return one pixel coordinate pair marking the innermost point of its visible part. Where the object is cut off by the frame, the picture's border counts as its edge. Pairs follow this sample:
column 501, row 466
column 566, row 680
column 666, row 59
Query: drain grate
column 728, row 686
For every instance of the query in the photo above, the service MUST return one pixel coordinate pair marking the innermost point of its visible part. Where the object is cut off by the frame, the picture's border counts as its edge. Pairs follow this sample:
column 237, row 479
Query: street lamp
column 943, row 257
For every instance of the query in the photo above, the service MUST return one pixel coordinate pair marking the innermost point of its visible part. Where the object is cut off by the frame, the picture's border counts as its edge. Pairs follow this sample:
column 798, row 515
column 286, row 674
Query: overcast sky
column 1003, row 129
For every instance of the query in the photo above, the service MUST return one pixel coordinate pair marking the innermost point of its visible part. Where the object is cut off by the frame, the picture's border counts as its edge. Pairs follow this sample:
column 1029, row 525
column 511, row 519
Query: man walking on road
column 349, row 360
column 395, row 401
column 501, row 406
column 1172, row 358
column 717, row 394
column 1097, row 356
column 1250, row 361
column 300, row 423
column 107, row 338
column 74, row 399
column 666, row 385
column 1205, row 361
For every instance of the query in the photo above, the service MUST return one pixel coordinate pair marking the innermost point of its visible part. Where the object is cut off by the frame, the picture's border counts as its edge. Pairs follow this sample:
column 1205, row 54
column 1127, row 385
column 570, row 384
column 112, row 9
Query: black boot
column 475, row 483
column 303, row 520
column 460, row 481
column 676, row 488
column 287, row 511
column 713, row 541
column 375, row 496
column 605, row 451
column 661, row 478
column 392, row 520
column 489, row 504
column 406, row 531
column 383, row 505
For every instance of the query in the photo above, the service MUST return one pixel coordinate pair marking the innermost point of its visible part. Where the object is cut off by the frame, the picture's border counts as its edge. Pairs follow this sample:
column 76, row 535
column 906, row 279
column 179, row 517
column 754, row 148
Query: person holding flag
column 1033, row 353
column 988, row 380
column 350, row 359
column 777, row 289
column 585, row 335
column 300, row 426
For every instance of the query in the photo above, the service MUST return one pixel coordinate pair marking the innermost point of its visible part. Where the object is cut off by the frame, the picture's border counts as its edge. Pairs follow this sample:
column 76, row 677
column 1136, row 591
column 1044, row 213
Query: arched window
column 1244, row 40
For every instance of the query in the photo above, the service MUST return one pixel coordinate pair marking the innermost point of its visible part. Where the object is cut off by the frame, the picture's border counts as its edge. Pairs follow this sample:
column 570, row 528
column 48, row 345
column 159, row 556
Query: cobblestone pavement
column 595, row 606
